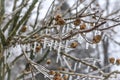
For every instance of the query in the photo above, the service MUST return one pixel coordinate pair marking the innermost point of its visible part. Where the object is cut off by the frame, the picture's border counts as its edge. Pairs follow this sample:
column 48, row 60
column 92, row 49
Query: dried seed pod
column 23, row 29
column 61, row 69
column 94, row 17
column 97, row 39
column 61, row 21
column 37, row 49
column 28, row 67
column 48, row 61
column 57, row 76
column 57, row 17
column 77, row 22
column 112, row 60
column 118, row 61
column 52, row 72
column 91, row 24
column 65, row 77
column 82, row 26
column 36, row 36
column 74, row 44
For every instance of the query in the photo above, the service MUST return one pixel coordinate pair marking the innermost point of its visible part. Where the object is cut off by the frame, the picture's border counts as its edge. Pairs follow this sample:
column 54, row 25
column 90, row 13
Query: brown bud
column 37, row 49
column 83, row 26
column 91, row 24
column 57, row 74
column 36, row 36
column 52, row 72
column 74, row 44
column 77, row 22
column 23, row 29
column 65, row 77
column 57, row 17
column 48, row 61
column 112, row 60
column 118, row 61
column 61, row 21
column 61, row 69
column 97, row 39
column 94, row 17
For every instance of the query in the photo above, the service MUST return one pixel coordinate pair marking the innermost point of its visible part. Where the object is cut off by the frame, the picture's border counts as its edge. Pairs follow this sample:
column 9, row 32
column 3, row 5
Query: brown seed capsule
column 61, row 21
column 91, row 24
column 94, row 17
column 52, row 72
column 38, row 48
column 83, row 26
column 112, row 60
column 74, row 44
column 97, row 39
column 65, row 77
column 48, row 61
column 63, row 69
column 118, row 61
column 36, row 36
column 57, row 17
column 77, row 22
column 60, row 68
column 57, row 78
column 57, row 74
column 23, row 29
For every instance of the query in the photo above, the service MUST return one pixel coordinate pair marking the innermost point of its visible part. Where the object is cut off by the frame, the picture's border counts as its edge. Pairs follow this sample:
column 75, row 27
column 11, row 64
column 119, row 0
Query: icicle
column 89, row 78
column 55, row 45
column 83, row 79
column 35, row 44
column 45, row 40
column 61, row 62
column 63, row 30
column 87, row 46
column 88, row 68
column 78, row 78
column 94, row 62
column 79, row 65
column 93, row 45
column 70, row 78
column 66, row 63
column 58, row 53
column 66, row 45
column 41, row 51
column 51, row 44
column 67, row 28
column 45, row 43
column 75, row 66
